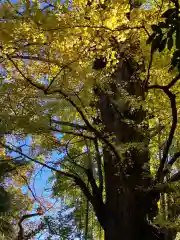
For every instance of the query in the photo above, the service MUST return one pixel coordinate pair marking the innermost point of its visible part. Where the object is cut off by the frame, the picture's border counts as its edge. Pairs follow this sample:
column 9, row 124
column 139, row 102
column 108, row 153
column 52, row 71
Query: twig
column 37, row 58
column 34, row 196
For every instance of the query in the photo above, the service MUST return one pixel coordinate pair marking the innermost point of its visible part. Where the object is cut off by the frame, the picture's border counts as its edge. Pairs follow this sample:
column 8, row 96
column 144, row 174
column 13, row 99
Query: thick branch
column 168, row 86
column 174, row 158
column 92, row 181
column 172, row 99
column 159, row 188
column 90, row 175
column 94, row 200
column 97, row 201
column 21, row 230
column 174, row 80
column 175, row 177
column 156, row 86
column 33, row 233
column 98, row 159
column 165, row 187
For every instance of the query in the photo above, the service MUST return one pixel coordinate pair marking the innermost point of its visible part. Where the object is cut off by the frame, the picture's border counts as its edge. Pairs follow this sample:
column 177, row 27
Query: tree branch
column 36, row 161
column 72, row 133
column 33, row 194
column 89, row 126
column 66, row 97
column 72, row 159
column 172, row 98
column 69, row 124
column 98, row 159
column 37, row 58
column 174, row 158
column 175, row 177
column 33, row 233
column 159, row 188
column 21, row 230
column 149, row 70
column 173, row 82
column 76, row 178
column 168, row 86
column 117, row 29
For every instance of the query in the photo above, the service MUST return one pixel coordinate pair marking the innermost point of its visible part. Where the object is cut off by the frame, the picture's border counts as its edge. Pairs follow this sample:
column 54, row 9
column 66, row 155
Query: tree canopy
column 96, row 84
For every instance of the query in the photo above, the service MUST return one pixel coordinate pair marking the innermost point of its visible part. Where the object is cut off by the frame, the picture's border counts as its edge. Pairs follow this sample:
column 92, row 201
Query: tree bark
column 127, row 209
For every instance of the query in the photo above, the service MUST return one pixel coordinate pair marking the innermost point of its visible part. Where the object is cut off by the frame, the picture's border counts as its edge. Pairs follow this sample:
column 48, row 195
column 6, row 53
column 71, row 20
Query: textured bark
column 127, row 209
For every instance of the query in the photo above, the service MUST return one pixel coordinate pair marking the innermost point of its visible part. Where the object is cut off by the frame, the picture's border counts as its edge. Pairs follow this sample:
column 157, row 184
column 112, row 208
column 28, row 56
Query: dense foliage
column 95, row 83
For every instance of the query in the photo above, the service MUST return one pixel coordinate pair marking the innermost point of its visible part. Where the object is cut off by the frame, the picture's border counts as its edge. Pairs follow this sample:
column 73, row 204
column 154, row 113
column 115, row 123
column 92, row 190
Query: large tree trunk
column 127, row 208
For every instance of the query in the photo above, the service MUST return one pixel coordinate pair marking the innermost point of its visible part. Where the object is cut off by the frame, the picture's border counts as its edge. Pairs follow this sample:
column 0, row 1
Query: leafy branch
column 68, row 99
column 94, row 198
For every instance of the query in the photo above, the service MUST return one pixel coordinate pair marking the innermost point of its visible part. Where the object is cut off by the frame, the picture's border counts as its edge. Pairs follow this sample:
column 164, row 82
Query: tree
column 13, row 201
column 83, row 70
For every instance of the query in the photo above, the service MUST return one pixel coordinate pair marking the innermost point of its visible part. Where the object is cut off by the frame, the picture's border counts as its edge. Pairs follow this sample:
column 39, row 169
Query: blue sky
column 39, row 184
